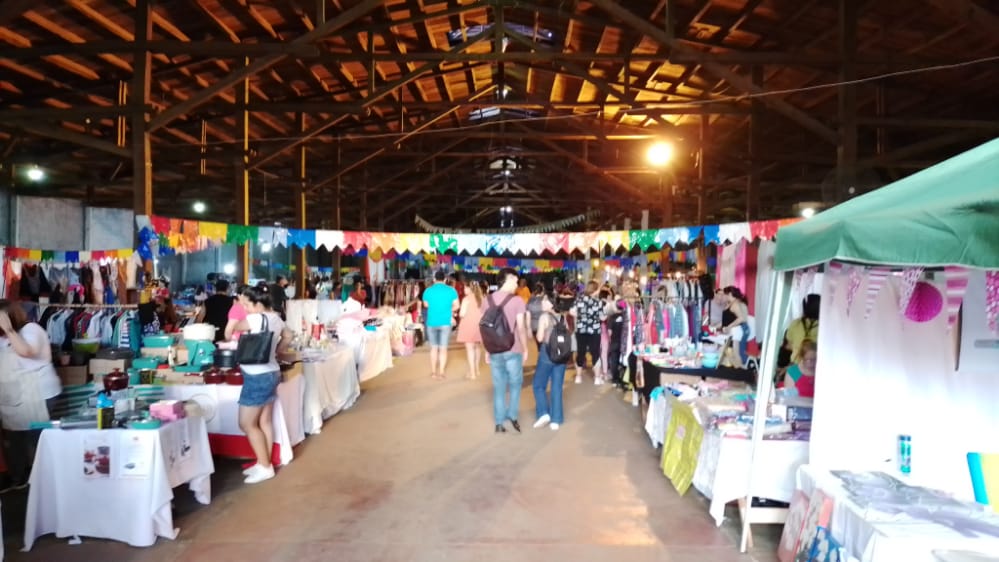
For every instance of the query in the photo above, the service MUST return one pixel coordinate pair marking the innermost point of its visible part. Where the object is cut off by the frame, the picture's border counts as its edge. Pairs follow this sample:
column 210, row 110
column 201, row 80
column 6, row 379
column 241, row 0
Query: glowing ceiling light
column 659, row 153
column 198, row 207
column 808, row 212
column 36, row 174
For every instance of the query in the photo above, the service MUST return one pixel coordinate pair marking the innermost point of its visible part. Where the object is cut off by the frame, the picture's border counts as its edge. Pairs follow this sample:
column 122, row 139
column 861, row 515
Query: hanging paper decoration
column 876, row 279
column 956, row 279
column 190, row 235
column 925, row 304
column 808, row 279
column 910, row 276
column 992, row 300
column 856, row 278
column 833, row 274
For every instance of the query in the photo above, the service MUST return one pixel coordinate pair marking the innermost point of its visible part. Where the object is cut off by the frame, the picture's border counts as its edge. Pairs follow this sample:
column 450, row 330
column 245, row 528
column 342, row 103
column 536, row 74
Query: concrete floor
column 414, row 472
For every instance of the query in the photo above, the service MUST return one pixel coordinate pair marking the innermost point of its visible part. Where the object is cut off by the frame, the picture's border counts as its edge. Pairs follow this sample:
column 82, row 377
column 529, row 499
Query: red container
column 115, row 380
column 234, row 377
column 213, row 376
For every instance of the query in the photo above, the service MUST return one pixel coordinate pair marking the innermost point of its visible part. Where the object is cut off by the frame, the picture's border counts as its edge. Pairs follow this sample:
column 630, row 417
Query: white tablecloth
column 133, row 509
column 871, row 536
column 331, row 385
column 375, row 356
column 222, row 416
column 291, row 394
column 722, row 473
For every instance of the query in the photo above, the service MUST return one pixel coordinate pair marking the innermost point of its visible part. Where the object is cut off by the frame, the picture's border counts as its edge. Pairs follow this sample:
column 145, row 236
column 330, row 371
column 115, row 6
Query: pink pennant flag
column 796, row 284
column 833, row 274
column 992, row 300
column 856, row 278
column 910, row 277
column 807, row 279
column 957, row 285
column 875, row 281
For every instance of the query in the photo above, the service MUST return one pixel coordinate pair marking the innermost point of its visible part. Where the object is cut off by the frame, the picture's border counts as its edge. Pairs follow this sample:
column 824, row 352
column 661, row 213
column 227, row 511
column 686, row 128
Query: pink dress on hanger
column 468, row 325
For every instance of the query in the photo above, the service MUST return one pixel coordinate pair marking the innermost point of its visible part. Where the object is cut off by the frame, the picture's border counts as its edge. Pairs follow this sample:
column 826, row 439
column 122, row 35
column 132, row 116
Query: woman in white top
column 260, row 382
column 28, row 382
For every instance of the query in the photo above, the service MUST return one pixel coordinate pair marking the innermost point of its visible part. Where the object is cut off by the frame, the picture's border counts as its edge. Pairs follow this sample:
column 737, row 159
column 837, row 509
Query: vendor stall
column 886, row 372
column 220, row 405
column 116, row 483
column 331, row 386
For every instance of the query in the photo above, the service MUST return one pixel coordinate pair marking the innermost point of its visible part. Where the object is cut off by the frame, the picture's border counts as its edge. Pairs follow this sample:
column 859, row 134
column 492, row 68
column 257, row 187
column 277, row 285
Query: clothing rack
column 59, row 305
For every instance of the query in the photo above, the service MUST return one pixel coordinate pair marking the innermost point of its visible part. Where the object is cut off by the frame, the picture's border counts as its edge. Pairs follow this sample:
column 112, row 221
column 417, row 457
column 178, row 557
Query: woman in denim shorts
column 256, row 400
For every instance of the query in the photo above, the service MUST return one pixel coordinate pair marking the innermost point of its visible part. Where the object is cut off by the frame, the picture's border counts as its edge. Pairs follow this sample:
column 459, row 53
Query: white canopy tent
column 884, row 375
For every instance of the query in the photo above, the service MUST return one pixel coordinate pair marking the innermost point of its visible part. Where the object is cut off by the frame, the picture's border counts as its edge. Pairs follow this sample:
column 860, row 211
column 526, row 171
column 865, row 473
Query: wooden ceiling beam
column 742, row 83
column 397, row 140
column 79, row 139
column 226, row 82
column 401, row 196
column 368, row 101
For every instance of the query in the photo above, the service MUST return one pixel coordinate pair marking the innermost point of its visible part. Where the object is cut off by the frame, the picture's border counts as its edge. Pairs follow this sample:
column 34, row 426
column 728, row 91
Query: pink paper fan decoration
column 926, row 303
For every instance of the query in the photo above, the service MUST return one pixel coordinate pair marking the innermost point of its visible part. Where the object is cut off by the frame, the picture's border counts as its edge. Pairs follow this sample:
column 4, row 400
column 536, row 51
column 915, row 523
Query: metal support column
column 142, row 162
column 242, row 176
column 301, row 264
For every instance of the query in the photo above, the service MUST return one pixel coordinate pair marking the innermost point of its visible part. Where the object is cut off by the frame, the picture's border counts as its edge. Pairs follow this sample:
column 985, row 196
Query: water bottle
column 905, row 454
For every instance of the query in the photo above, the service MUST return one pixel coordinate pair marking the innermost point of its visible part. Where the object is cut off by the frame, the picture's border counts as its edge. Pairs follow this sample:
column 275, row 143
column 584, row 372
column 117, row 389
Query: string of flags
column 60, row 256
column 167, row 236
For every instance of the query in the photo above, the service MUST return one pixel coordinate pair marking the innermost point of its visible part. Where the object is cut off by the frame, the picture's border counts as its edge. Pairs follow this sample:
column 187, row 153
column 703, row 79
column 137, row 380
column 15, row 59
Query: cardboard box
column 105, row 366
column 71, row 376
column 289, row 372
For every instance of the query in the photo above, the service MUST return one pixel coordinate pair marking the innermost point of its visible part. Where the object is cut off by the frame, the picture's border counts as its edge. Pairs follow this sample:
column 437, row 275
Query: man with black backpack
column 504, row 335
column 555, row 341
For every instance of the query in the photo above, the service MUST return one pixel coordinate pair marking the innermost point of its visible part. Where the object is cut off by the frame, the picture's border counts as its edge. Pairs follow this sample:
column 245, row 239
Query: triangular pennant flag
column 956, row 285
column 808, row 279
column 856, row 277
column 834, row 273
column 875, row 280
column 992, row 300
column 910, row 277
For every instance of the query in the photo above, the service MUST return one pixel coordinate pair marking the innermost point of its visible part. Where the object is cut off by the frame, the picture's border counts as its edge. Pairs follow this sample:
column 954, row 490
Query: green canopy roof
column 944, row 215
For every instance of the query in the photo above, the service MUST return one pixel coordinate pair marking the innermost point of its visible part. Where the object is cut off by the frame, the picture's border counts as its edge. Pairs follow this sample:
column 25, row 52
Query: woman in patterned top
column 589, row 313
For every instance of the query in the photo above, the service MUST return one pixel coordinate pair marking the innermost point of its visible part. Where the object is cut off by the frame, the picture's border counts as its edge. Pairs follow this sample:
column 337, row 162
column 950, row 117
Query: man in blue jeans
column 508, row 367
column 441, row 302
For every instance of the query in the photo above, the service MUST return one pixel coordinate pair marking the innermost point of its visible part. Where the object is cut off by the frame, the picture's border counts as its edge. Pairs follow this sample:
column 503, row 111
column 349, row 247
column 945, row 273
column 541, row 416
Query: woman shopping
column 470, row 314
column 589, row 313
column 28, row 383
column 260, row 381
column 736, row 315
column 548, row 402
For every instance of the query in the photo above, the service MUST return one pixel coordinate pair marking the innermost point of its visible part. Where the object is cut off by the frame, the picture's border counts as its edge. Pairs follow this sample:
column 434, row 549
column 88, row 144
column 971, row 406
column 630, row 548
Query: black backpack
column 497, row 334
column 560, row 342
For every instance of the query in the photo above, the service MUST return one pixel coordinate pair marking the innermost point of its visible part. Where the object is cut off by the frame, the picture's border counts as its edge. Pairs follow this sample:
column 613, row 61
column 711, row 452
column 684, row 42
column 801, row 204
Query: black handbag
column 255, row 348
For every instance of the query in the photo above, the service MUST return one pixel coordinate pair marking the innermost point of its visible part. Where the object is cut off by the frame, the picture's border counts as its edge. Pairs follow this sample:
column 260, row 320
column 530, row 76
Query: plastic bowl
column 710, row 360
column 86, row 345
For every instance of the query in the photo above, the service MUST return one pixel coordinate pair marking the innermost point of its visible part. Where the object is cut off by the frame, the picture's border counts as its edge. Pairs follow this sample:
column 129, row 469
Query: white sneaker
column 542, row 421
column 597, row 381
column 259, row 474
column 579, row 378
column 249, row 471
column 554, row 426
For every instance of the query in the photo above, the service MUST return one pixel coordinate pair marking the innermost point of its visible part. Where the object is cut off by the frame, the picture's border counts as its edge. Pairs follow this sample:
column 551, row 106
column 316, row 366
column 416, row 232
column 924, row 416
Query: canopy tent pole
column 772, row 340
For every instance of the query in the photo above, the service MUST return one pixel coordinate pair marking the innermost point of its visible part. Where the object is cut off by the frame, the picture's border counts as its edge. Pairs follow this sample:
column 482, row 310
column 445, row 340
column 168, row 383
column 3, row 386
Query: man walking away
column 215, row 310
column 278, row 296
column 441, row 302
column 504, row 328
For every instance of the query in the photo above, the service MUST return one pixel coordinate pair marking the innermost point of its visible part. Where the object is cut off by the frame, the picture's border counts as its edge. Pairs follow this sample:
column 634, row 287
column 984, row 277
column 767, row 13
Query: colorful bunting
column 910, row 276
column 856, row 278
column 59, row 256
column 992, row 300
column 189, row 235
column 956, row 279
column 876, row 279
